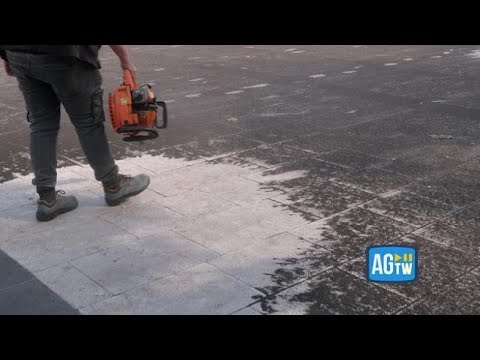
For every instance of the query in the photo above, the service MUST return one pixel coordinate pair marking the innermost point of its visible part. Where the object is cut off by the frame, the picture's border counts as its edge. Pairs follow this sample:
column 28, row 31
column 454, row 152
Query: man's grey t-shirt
column 86, row 53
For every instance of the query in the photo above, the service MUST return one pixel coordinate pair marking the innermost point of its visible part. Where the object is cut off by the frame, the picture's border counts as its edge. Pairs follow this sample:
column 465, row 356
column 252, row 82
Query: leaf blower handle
column 128, row 79
column 164, row 122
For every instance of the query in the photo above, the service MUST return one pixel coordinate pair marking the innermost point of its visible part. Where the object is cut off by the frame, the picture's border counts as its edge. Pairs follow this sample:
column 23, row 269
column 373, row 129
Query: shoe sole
column 48, row 217
column 124, row 198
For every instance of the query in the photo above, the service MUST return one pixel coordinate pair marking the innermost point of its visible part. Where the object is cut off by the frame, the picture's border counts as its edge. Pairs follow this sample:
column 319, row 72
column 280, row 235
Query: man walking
column 50, row 75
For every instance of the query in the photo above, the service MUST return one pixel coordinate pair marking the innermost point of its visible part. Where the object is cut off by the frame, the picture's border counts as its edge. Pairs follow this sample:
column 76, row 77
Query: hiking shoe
column 126, row 187
column 60, row 204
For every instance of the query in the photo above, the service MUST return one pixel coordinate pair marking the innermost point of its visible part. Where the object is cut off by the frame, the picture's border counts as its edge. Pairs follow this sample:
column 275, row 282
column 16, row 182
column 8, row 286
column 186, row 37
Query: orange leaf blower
column 134, row 110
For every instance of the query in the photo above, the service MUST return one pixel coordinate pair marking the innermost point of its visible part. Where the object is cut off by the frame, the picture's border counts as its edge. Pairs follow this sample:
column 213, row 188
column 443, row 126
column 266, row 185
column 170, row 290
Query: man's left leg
column 81, row 93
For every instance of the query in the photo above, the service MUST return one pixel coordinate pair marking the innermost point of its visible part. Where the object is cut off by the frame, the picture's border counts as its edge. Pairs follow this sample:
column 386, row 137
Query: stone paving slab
column 203, row 290
column 409, row 208
column 33, row 298
column 204, row 203
column 325, row 199
column 460, row 298
column 459, row 230
column 138, row 262
column 256, row 264
column 332, row 294
column 73, row 286
column 348, row 234
column 12, row 274
column 373, row 180
column 452, row 188
column 239, row 227
column 39, row 251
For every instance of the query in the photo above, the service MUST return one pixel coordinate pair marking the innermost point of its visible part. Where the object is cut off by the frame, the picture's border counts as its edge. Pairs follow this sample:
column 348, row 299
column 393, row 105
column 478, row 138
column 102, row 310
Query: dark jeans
column 46, row 82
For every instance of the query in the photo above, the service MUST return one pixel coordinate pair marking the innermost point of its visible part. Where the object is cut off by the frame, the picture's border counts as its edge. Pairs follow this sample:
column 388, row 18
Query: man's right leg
column 43, row 109
column 43, row 115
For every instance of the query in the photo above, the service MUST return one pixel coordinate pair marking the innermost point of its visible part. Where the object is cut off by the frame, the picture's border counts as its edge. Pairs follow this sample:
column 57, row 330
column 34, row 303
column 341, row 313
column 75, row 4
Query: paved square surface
column 280, row 166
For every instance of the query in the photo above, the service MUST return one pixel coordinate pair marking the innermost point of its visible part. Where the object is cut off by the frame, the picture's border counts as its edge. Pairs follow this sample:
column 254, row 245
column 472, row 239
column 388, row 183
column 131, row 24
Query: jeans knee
column 44, row 122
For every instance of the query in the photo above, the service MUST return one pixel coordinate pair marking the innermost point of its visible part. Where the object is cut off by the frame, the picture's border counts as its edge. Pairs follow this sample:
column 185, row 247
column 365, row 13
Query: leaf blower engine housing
column 134, row 110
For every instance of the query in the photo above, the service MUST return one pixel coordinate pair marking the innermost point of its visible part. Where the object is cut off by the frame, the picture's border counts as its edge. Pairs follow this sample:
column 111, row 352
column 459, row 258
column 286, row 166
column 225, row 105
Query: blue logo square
column 392, row 264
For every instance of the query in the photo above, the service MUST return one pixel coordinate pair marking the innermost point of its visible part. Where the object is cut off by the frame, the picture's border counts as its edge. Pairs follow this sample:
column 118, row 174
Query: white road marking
column 255, row 86
column 234, row 92
column 316, row 76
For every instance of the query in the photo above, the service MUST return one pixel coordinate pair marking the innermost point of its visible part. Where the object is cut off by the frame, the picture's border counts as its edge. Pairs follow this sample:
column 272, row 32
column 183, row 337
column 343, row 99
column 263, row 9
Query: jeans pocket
column 97, row 106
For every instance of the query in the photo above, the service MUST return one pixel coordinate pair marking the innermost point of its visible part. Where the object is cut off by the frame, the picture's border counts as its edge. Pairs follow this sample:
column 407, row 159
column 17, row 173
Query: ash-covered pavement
column 280, row 166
